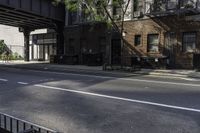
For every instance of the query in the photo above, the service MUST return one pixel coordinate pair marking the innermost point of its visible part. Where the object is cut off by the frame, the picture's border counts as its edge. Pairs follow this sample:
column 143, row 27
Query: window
column 187, row 4
column 73, row 17
column 135, row 5
column 152, row 43
column 172, row 4
column 137, row 40
column 116, row 8
column 71, row 46
column 189, row 41
column 147, row 6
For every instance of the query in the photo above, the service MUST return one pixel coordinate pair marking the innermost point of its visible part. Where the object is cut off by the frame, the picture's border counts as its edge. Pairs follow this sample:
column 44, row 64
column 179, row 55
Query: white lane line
column 4, row 80
column 120, row 98
column 125, row 79
column 74, row 74
column 190, row 79
column 22, row 83
column 161, row 82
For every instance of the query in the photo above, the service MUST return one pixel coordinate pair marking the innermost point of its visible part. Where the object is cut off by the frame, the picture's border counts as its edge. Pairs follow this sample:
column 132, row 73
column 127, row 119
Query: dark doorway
column 116, row 52
column 196, row 61
column 170, row 43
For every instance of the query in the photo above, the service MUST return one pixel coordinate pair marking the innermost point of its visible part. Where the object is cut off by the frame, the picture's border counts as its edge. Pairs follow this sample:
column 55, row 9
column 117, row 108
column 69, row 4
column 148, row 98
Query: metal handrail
column 16, row 125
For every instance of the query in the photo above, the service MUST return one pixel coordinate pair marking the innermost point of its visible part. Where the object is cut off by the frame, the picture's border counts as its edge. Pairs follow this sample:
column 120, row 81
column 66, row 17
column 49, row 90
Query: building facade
column 154, row 30
column 42, row 45
column 164, row 28
column 86, row 41
column 13, row 40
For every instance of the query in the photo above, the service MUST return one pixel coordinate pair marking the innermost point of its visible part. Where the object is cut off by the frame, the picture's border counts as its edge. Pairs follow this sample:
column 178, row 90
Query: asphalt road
column 82, row 103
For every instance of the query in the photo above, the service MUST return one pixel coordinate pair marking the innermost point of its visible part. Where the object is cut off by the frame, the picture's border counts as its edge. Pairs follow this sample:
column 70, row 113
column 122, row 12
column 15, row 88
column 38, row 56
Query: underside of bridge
column 30, row 15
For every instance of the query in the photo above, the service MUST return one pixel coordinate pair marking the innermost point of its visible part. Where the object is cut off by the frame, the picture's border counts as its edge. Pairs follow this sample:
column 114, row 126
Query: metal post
column 0, row 120
column 17, row 126
column 5, row 122
column 26, row 44
column 11, row 125
column 24, row 126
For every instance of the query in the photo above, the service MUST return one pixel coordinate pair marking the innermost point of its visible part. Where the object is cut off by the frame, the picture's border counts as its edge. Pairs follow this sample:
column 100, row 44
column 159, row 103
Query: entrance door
column 170, row 43
column 116, row 52
column 196, row 61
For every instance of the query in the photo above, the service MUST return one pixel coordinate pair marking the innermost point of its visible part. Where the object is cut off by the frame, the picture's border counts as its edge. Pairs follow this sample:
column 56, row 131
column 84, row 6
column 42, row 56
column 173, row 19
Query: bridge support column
column 60, row 40
column 26, row 44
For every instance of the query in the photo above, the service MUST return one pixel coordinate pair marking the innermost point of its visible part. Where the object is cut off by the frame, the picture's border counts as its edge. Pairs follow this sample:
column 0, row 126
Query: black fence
column 196, row 61
column 145, row 62
column 64, row 59
column 92, row 59
column 10, row 124
column 132, row 63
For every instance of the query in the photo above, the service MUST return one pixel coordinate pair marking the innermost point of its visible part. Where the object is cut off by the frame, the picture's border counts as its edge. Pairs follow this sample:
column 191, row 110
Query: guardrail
column 16, row 125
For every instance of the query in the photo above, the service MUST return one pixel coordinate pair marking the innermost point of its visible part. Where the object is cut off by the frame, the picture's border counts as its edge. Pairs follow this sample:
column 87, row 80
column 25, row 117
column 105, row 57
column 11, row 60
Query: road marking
column 126, row 79
column 161, row 82
column 22, row 83
column 4, row 80
column 120, row 98
column 190, row 79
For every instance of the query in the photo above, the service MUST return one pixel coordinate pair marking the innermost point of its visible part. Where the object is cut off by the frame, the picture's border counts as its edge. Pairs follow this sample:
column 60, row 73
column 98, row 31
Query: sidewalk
column 97, row 69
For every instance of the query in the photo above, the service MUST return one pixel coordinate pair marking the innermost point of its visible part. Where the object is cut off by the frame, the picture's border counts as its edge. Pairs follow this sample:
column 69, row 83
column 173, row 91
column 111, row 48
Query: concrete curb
column 49, row 67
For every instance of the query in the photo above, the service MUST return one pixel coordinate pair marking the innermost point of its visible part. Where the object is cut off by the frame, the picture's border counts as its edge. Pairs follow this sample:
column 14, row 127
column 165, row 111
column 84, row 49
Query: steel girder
column 33, row 14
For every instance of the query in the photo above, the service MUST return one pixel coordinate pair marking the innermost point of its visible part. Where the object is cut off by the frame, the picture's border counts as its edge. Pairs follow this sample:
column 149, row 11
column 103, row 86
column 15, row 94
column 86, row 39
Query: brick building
column 154, row 30
column 172, row 37
column 158, row 29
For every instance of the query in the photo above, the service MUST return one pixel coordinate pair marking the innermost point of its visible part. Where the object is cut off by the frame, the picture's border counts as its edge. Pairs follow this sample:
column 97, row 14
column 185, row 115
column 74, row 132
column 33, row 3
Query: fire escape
column 157, row 8
column 188, row 10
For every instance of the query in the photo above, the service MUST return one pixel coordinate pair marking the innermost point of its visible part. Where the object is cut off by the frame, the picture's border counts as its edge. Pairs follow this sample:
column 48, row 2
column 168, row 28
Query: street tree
column 110, row 11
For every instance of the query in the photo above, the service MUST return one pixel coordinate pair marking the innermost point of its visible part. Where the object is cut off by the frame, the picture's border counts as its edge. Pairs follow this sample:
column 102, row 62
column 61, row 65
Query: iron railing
column 16, row 125
column 168, row 6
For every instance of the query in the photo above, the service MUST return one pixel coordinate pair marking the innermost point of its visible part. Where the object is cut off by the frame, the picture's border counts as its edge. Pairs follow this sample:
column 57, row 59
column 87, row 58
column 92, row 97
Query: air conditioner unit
column 138, row 14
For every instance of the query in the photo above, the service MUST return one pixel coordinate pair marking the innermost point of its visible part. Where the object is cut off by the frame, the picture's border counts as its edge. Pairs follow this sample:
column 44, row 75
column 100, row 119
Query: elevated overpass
column 29, row 15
